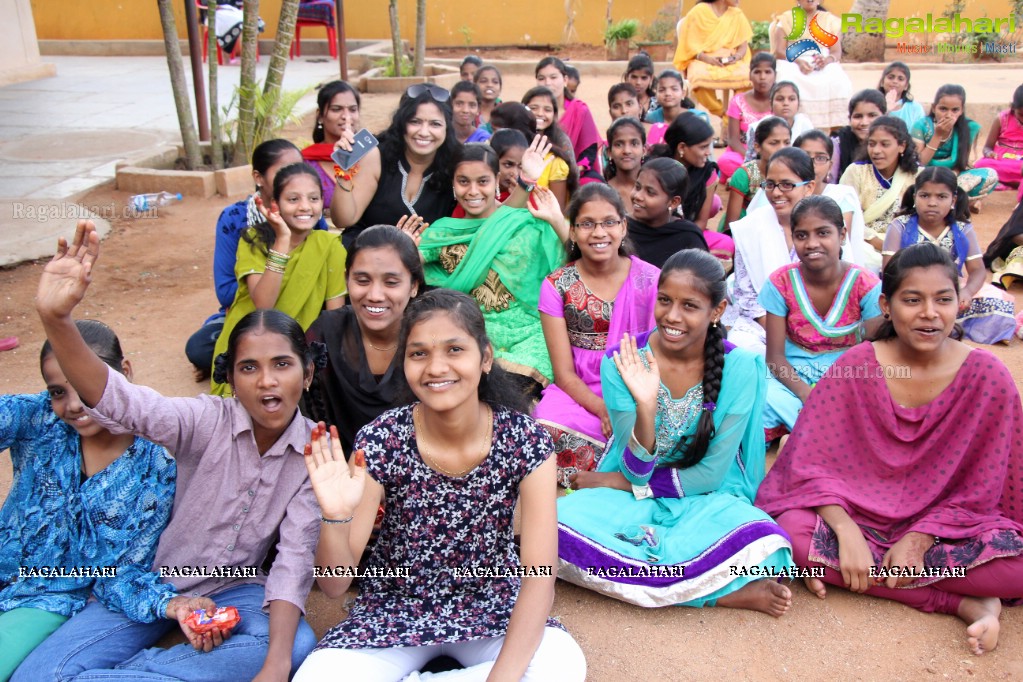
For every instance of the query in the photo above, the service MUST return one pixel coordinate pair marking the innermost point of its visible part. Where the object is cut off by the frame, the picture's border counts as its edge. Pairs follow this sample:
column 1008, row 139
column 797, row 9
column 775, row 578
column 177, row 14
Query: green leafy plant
column 622, row 31
column 662, row 28
column 274, row 111
column 387, row 64
column 761, row 40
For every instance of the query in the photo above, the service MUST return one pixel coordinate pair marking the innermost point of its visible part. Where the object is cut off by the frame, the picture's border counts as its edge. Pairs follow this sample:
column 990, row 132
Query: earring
column 714, row 324
column 319, row 125
column 886, row 316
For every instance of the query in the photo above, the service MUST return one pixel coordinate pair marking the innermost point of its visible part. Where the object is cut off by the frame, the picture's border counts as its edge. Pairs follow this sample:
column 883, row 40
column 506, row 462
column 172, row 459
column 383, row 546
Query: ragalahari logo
column 818, row 36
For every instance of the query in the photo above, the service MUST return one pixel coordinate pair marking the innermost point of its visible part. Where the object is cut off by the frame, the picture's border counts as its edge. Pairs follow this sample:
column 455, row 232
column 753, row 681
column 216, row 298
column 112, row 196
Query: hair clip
column 709, row 406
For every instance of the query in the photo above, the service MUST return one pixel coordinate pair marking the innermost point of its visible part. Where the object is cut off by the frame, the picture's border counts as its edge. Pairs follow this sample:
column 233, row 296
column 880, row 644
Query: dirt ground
column 154, row 286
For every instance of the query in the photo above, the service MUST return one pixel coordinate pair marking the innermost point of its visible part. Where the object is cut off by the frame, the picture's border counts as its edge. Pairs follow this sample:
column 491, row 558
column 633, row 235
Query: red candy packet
column 225, row 618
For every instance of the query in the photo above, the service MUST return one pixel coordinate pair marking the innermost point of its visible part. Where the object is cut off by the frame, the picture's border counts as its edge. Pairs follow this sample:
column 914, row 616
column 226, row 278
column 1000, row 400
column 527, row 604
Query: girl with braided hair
column 668, row 517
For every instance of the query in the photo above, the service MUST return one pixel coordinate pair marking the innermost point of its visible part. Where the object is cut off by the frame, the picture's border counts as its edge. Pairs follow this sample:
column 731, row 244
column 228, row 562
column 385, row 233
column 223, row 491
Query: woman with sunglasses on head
column 408, row 174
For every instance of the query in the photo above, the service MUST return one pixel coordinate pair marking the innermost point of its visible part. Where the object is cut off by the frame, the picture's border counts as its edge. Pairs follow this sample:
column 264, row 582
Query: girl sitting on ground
column 894, row 85
column 850, row 141
column 745, row 109
column 772, row 134
column 626, row 142
column 1003, row 150
column 656, row 226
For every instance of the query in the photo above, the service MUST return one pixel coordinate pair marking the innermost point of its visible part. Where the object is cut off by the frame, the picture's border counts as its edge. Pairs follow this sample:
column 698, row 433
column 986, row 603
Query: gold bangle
column 933, row 149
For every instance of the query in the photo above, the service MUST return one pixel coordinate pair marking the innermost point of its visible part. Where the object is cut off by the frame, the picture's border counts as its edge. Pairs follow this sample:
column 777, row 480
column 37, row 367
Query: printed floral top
column 587, row 316
column 53, row 519
column 436, row 525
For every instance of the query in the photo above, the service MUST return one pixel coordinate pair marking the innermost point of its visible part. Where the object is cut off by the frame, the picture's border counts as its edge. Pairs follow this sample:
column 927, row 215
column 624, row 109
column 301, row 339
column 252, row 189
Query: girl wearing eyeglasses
column 821, row 151
column 604, row 291
column 408, row 174
column 763, row 243
column 499, row 255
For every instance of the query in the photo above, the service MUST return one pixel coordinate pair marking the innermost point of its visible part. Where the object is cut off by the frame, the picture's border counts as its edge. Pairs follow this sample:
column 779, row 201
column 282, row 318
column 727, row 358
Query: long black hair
column 895, row 66
column 100, row 338
column 961, row 129
column 561, row 145
column 559, row 65
column 688, row 129
column 709, row 277
column 276, row 322
column 515, row 116
column 922, row 255
column 766, row 127
column 496, row 387
column 323, row 100
column 671, row 175
column 267, row 153
column 796, row 160
column 641, row 62
column 262, row 235
column 392, row 140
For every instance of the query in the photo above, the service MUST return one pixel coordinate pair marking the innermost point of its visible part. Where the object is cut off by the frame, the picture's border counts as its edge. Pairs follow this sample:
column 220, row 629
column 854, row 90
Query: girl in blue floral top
column 451, row 468
column 85, row 509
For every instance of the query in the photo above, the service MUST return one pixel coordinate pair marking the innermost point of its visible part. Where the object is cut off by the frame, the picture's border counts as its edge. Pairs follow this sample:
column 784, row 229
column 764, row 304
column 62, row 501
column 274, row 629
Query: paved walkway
column 62, row 136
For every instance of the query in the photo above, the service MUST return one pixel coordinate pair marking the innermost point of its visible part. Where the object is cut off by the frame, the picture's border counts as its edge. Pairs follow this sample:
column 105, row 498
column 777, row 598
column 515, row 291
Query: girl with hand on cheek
column 106, row 500
column 802, row 343
column 603, row 292
column 283, row 263
column 851, row 141
column 451, row 466
column 894, row 85
column 945, row 138
column 936, row 210
column 865, row 492
column 248, row 446
column 686, row 412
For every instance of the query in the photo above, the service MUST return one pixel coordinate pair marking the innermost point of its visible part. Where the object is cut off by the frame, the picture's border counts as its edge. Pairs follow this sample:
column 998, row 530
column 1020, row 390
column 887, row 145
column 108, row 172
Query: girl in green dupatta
column 944, row 138
column 284, row 263
column 500, row 255
column 881, row 181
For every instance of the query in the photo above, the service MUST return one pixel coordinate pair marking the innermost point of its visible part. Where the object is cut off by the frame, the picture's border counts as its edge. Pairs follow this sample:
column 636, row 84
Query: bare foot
column 596, row 479
column 816, row 586
column 766, row 596
column 981, row 616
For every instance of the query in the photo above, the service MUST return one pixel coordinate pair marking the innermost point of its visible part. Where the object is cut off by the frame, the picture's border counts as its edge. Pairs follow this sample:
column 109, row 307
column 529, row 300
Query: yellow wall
column 492, row 22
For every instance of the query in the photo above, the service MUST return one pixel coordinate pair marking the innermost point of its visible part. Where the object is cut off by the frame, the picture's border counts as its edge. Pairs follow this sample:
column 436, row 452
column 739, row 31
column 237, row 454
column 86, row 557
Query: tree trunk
column 569, row 33
column 216, row 143
column 247, row 89
column 279, row 60
column 607, row 19
column 392, row 12
column 179, row 86
column 420, row 59
column 865, row 47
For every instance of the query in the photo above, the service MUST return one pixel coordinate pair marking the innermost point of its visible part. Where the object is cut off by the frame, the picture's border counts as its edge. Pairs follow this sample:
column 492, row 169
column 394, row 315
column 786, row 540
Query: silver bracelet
column 336, row 521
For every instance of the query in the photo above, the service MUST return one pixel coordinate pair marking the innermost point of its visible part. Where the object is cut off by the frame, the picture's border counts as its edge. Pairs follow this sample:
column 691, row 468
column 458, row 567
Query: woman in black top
column 655, row 227
column 409, row 174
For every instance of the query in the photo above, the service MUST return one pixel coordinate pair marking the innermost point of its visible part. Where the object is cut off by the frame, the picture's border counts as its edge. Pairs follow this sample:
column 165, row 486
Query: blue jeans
column 100, row 644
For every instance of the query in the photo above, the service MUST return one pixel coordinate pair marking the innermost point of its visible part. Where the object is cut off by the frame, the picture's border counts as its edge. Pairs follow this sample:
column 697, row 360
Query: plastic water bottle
column 147, row 202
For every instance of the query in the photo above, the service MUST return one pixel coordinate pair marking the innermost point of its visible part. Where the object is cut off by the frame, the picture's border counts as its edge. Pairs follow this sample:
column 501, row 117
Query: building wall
column 493, row 22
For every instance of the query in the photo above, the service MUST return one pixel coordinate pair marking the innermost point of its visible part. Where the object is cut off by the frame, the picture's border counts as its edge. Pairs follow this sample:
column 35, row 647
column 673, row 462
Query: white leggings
column 557, row 658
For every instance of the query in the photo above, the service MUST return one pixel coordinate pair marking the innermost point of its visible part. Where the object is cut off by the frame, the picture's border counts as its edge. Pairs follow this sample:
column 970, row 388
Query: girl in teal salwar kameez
column 668, row 517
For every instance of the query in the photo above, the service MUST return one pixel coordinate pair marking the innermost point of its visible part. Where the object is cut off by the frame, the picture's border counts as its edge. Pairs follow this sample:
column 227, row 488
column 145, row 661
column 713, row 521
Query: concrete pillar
column 19, row 50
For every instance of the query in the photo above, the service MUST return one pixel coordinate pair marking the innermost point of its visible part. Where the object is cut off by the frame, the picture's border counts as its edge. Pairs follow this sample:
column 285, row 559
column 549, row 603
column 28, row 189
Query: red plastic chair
column 236, row 53
column 315, row 22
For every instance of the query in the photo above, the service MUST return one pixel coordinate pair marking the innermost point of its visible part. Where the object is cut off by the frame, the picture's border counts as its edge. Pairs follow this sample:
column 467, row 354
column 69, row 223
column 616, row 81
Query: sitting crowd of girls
column 654, row 398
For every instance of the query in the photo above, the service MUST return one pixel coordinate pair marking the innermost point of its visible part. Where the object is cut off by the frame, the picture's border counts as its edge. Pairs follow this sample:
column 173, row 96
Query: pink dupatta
column 952, row 468
column 577, row 122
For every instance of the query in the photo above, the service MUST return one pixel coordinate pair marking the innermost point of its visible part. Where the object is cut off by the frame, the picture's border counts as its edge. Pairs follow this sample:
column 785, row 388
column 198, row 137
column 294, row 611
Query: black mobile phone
column 364, row 142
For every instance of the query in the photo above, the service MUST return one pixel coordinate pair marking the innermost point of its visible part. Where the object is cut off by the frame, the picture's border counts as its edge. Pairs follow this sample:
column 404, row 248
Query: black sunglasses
column 436, row 92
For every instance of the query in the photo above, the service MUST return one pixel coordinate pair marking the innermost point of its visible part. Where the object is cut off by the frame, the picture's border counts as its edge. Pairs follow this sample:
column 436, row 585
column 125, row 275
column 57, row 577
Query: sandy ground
column 154, row 287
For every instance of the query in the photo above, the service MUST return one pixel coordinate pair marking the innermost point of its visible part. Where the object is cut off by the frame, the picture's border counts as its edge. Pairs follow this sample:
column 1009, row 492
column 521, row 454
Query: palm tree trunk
column 420, row 37
column 179, row 86
column 216, row 143
column 247, row 85
column 392, row 11
column 865, row 47
column 279, row 59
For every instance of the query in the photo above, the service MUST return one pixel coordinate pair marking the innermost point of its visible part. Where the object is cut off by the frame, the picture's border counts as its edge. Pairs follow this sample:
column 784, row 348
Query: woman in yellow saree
column 713, row 51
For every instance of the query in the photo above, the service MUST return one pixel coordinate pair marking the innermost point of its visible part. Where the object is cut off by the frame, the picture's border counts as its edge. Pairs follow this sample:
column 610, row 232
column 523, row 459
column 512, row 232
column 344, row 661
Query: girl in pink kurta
column 745, row 109
column 603, row 292
column 908, row 458
column 1003, row 150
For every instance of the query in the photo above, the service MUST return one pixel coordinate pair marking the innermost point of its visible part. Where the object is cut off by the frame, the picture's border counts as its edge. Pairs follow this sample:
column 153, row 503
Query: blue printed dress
column 52, row 518
column 700, row 522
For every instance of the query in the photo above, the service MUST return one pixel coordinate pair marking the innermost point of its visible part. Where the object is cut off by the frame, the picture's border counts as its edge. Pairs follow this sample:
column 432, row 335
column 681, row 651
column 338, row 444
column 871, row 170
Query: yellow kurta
column 704, row 31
